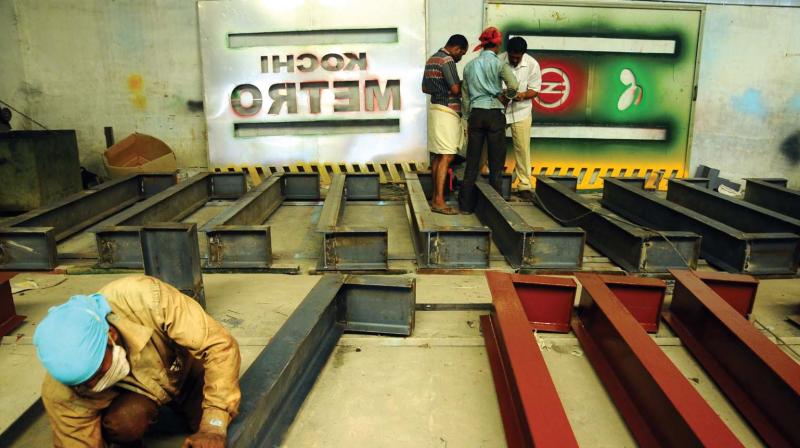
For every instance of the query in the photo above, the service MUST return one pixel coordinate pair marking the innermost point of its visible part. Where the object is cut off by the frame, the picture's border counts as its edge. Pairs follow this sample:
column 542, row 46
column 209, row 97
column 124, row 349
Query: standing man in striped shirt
column 445, row 134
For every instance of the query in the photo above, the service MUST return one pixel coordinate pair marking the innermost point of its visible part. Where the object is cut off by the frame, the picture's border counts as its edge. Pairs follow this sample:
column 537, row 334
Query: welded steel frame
column 736, row 213
column 761, row 380
column 29, row 241
column 530, row 407
column 629, row 246
column 9, row 319
column 723, row 246
column 171, row 253
column 523, row 245
column 657, row 402
column 774, row 195
column 280, row 378
column 118, row 238
column 547, row 301
column 443, row 247
column 351, row 247
column 238, row 237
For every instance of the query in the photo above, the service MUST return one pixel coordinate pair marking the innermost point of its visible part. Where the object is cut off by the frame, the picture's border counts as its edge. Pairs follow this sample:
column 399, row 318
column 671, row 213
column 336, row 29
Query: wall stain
column 750, row 102
column 791, row 148
column 194, row 105
column 557, row 16
column 136, row 87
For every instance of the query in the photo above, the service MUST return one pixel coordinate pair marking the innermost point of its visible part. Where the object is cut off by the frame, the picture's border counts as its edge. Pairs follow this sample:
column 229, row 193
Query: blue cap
column 71, row 340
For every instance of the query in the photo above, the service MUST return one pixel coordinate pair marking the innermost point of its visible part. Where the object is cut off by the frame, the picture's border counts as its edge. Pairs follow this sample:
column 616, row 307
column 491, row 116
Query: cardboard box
column 139, row 153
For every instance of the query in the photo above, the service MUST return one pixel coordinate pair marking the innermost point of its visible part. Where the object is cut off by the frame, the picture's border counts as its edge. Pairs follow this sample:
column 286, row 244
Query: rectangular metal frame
column 774, row 195
column 643, row 297
column 530, row 407
column 631, row 247
column 657, row 402
column 238, row 237
column 736, row 213
column 760, row 379
column 351, row 247
column 280, row 378
column 547, row 301
column 443, row 247
column 29, row 241
column 118, row 237
column 723, row 245
column 523, row 245
column 171, row 253
column 9, row 319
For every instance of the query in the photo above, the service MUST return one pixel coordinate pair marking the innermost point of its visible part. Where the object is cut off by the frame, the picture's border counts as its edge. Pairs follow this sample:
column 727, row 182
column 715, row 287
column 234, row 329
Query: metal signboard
column 313, row 81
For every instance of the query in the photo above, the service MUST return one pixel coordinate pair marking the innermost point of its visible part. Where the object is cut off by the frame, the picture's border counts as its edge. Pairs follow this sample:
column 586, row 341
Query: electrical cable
column 26, row 116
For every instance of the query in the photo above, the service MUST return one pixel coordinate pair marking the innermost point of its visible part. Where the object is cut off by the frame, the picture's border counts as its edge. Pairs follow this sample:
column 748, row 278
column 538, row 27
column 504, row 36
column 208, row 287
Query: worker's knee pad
column 128, row 418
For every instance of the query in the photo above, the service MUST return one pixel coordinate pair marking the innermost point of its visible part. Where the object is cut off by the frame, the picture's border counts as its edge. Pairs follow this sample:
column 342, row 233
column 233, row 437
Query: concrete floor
column 433, row 389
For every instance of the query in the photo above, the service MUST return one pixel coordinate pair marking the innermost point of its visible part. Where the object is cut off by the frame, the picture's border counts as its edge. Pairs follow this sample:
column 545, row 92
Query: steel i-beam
column 118, row 237
column 547, row 301
column 351, row 247
column 723, row 245
column 631, row 247
column 426, row 180
column 9, row 319
column 444, row 247
column 171, row 253
column 657, row 402
column 523, row 245
column 28, row 241
column 280, row 378
column 238, row 237
column 531, row 410
column 774, row 195
column 736, row 213
column 762, row 381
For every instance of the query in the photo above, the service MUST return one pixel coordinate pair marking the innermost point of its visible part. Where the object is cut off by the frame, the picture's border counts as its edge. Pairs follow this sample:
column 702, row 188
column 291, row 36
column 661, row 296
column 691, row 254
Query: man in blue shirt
column 484, row 102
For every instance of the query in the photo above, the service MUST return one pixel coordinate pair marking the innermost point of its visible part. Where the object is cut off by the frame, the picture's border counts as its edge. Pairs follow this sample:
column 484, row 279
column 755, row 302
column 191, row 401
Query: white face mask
column 119, row 370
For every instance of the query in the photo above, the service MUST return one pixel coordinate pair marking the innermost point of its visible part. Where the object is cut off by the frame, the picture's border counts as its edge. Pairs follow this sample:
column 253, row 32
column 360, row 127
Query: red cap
column 489, row 35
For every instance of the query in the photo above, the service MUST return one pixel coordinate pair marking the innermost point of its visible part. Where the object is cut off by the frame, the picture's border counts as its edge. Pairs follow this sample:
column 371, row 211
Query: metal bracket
column 278, row 381
column 171, row 253
column 9, row 319
column 774, row 195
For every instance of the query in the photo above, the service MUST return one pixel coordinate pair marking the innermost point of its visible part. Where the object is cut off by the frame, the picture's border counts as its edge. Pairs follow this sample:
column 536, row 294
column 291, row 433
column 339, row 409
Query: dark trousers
column 485, row 125
column 126, row 421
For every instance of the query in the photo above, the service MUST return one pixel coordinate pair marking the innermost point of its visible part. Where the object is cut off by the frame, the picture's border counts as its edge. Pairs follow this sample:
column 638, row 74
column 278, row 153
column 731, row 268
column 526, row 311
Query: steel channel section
column 723, row 246
column 426, row 180
column 629, row 246
column 736, row 213
column 9, row 319
column 29, row 241
column 171, row 253
column 774, row 195
column 657, row 402
column 351, row 247
column 530, row 407
column 238, row 237
column 443, row 247
column 523, row 245
column 760, row 379
column 280, row 378
column 641, row 296
column 118, row 241
column 738, row 290
column 547, row 301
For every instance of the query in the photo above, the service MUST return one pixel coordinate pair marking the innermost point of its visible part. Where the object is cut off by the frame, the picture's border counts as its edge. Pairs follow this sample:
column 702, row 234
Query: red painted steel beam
column 547, row 301
column 760, row 379
column 529, row 404
column 659, row 405
column 9, row 319
column 738, row 290
column 642, row 296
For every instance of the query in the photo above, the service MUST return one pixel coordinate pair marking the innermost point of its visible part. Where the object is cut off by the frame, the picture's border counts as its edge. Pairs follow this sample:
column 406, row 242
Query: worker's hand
column 520, row 97
column 503, row 99
column 204, row 440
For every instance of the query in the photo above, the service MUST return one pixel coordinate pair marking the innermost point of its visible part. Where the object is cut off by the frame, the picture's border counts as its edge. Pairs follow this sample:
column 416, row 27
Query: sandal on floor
column 444, row 210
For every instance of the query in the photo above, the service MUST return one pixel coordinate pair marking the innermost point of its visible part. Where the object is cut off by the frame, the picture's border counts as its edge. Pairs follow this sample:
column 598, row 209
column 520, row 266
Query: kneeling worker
column 113, row 358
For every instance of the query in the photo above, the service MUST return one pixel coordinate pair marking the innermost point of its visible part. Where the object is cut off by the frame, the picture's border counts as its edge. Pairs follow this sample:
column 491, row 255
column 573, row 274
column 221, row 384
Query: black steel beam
column 523, row 245
column 118, row 241
column 443, row 247
column 426, row 181
column 238, row 237
column 631, row 247
column 774, row 195
column 734, row 212
column 351, row 247
column 28, row 241
column 171, row 253
column 723, row 245
column 278, row 381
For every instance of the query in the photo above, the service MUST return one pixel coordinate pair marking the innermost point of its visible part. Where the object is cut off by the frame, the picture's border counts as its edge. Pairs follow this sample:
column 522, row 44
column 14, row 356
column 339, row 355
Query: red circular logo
column 556, row 89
